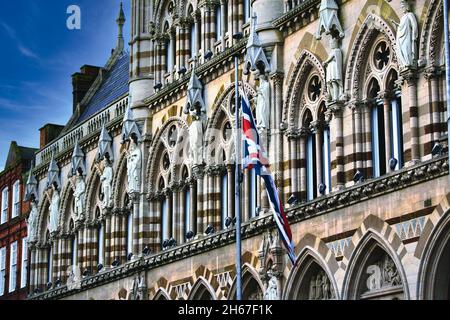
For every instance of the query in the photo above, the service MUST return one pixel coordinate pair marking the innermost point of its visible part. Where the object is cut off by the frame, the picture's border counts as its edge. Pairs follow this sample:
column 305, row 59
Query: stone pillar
column 201, row 198
column 318, row 128
column 136, row 248
column 302, row 163
column 293, row 161
column 276, row 132
column 176, row 213
column 367, row 109
column 432, row 75
column 411, row 79
column 32, row 267
column 335, row 115
column 223, row 18
column 108, row 245
column 231, row 186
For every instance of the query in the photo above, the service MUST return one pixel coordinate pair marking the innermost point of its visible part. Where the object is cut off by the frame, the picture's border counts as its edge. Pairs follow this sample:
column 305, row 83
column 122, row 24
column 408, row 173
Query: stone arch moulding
column 119, row 181
column 436, row 233
column 65, row 207
column 200, row 284
column 91, row 187
column 247, row 274
column 43, row 214
column 161, row 294
column 373, row 232
column 372, row 25
column 432, row 18
column 311, row 249
column 154, row 158
column 305, row 63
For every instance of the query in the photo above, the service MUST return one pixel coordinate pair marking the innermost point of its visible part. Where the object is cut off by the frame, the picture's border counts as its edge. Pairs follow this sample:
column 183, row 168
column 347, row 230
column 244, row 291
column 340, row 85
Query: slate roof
column 113, row 86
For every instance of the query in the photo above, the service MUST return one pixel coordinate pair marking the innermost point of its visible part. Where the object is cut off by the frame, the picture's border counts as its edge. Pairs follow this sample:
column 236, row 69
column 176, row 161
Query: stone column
column 32, row 267
column 201, row 198
column 276, row 132
column 411, row 79
column 367, row 134
column 293, row 161
column 212, row 26
column 302, row 163
column 230, row 196
column 432, row 75
column 223, row 18
column 335, row 115
column 318, row 128
column 108, row 248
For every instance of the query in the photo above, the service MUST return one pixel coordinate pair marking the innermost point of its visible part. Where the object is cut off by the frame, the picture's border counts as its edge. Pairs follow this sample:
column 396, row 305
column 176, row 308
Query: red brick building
column 13, row 227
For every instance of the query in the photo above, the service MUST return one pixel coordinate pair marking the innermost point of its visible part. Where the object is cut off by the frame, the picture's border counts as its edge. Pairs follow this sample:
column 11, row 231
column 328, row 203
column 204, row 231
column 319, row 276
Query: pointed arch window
column 187, row 203
column 377, row 129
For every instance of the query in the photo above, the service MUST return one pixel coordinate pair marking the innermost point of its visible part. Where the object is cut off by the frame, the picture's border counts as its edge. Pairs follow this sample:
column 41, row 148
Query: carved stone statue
column 74, row 278
column 407, row 35
column 374, row 280
column 32, row 222
column 134, row 163
column 106, row 181
column 334, row 70
column 272, row 289
column 54, row 209
column 196, row 138
column 263, row 103
column 329, row 20
column 383, row 273
column 79, row 195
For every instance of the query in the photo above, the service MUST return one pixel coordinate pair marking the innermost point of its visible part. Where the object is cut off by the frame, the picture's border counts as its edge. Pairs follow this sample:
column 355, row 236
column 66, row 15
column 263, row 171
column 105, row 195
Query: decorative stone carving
column 263, row 103
column 334, row 72
column 271, row 292
column 31, row 192
column 54, row 208
column 196, row 138
column 79, row 195
column 106, row 181
column 32, row 222
column 104, row 145
column 53, row 174
column 138, row 289
column 383, row 273
column 320, row 287
column 255, row 58
column 78, row 160
column 134, row 163
column 129, row 125
column 407, row 36
column 329, row 20
column 74, row 279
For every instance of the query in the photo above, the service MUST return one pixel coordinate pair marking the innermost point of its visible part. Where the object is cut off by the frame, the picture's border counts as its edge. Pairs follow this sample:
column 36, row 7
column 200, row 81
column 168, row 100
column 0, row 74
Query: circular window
column 226, row 131
column 166, row 161
column 382, row 55
column 314, row 89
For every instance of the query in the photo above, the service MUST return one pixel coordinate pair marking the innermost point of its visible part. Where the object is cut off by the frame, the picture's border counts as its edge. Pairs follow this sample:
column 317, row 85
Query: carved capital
column 409, row 75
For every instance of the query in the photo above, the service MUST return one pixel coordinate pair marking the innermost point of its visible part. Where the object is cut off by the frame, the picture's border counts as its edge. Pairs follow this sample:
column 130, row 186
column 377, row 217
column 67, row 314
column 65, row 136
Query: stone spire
column 120, row 23
column 194, row 94
column 78, row 160
column 31, row 186
column 53, row 173
column 129, row 125
column 104, row 145
column 255, row 58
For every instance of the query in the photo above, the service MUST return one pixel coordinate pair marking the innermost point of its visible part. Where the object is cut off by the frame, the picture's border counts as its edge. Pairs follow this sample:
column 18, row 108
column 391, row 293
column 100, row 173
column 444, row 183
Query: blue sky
column 38, row 56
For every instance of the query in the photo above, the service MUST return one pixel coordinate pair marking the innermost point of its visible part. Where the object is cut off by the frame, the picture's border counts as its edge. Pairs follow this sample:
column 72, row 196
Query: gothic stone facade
column 385, row 236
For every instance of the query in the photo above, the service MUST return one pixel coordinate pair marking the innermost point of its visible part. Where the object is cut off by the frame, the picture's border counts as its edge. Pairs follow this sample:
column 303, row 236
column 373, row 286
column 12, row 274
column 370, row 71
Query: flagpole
column 447, row 68
column 237, row 178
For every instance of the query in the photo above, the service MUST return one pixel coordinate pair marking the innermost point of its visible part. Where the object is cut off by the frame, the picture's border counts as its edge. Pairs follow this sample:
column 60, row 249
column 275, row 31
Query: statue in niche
column 196, row 137
column 333, row 67
column 407, row 35
column 106, row 181
column 79, row 195
column 32, row 220
column 134, row 162
column 328, row 19
column 272, row 289
column 263, row 103
column 54, row 208
column 390, row 272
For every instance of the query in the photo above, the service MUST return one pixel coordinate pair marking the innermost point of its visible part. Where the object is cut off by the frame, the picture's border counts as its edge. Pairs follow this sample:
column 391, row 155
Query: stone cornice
column 297, row 14
column 401, row 179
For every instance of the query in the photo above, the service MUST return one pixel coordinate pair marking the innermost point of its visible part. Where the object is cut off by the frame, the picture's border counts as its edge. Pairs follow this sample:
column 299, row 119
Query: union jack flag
column 255, row 158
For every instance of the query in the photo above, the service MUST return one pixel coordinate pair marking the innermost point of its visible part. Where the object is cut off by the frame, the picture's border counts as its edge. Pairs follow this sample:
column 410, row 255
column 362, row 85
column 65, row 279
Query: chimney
column 82, row 81
column 48, row 133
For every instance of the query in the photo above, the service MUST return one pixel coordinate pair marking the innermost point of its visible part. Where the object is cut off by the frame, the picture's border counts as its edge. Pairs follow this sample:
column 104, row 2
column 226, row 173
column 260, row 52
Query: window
column 326, row 160
column 253, row 192
column 311, row 176
column 187, row 211
column 101, row 244
column 193, row 41
column 218, row 23
column 2, row 270
column 224, row 199
column 164, row 219
column 24, row 271
column 397, row 130
column 4, row 216
column 247, row 10
column 13, row 267
column 130, row 233
column 50, row 263
column 74, row 252
column 16, row 199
